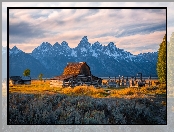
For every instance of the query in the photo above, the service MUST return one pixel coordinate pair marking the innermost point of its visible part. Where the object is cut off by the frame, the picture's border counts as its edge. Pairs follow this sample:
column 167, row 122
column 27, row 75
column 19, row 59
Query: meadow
column 39, row 103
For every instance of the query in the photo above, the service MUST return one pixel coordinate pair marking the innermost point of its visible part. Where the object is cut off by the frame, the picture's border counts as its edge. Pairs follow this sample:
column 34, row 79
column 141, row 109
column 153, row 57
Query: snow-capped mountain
column 83, row 49
column 106, row 60
column 15, row 50
column 97, row 49
column 20, row 61
column 43, row 50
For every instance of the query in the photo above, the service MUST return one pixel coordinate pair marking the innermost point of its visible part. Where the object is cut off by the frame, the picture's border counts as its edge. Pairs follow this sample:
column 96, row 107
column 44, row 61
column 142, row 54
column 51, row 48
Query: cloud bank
column 135, row 30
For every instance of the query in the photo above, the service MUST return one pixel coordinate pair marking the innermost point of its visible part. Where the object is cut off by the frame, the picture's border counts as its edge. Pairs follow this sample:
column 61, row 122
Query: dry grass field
column 39, row 103
column 38, row 87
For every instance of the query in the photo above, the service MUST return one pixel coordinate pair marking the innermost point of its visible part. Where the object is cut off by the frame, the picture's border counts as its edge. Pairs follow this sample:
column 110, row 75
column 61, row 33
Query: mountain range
column 103, row 61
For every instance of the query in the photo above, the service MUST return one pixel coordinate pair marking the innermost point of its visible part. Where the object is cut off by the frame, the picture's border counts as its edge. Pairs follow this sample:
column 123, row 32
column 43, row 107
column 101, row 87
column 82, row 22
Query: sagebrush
column 70, row 109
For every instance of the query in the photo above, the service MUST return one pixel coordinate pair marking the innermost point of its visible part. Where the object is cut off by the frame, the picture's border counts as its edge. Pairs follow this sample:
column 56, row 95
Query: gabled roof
column 16, row 78
column 73, row 68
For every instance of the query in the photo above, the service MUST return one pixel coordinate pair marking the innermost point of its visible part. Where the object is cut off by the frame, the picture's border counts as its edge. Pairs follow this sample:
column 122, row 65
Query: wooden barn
column 75, row 74
column 19, row 80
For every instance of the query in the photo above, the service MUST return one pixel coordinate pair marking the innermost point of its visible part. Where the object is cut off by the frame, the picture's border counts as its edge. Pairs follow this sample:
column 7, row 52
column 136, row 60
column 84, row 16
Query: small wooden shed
column 15, row 80
column 74, row 74
column 19, row 80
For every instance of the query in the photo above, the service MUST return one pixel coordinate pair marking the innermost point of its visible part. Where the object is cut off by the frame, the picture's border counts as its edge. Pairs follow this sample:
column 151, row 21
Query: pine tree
column 161, row 63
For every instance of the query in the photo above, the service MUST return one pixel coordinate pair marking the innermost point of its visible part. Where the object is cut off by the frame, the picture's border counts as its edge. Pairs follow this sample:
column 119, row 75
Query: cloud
column 141, row 29
column 22, row 32
column 145, row 41
column 112, row 25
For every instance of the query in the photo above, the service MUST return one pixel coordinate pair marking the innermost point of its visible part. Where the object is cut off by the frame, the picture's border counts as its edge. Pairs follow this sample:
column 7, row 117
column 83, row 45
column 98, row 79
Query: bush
column 84, row 90
column 64, row 109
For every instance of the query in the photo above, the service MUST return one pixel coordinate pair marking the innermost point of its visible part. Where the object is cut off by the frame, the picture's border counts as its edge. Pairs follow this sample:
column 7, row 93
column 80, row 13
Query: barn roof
column 72, row 69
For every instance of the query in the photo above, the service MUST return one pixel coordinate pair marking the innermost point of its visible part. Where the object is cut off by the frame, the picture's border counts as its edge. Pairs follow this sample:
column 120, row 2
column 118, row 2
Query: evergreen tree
column 161, row 63
column 27, row 72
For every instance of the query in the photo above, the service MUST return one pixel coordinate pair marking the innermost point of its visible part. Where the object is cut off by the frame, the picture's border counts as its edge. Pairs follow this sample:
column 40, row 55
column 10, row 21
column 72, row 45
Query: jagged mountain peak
column 97, row 46
column 45, row 44
column 111, row 44
column 97, row 43
column 84, row 43
column 148, row 53
column 56, row 45
column 65, row 44
column 85, row 38
column 15, row 50
column 111, row 47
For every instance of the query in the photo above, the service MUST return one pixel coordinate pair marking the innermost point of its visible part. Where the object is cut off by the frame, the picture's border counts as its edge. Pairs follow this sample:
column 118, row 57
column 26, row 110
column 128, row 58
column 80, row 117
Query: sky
column 136, row 31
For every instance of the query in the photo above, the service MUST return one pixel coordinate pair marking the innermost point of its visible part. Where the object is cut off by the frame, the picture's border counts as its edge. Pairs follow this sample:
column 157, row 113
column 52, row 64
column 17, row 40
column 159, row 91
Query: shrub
column 84, row 90
column 64, row 109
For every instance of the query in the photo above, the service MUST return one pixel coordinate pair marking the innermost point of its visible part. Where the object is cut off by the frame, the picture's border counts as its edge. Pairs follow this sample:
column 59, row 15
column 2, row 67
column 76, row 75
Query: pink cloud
column 103, row 26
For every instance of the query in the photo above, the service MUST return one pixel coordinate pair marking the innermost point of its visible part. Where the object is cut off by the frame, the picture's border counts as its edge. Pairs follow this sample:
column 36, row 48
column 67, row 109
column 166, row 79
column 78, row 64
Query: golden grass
column 35, row 88
column 140, row 92
column 84, row 90
column 44, row 87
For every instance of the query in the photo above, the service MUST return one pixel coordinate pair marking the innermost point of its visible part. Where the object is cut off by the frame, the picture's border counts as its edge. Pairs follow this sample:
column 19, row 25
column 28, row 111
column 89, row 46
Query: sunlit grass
column 34, row 88
column 39, row 103
column 85, row 90
column 139, row 92
column 38, row 87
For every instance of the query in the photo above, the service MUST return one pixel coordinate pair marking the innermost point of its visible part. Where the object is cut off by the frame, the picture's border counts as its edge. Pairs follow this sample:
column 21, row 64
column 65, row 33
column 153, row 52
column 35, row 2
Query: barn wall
column 13, row 82
column 85, row 70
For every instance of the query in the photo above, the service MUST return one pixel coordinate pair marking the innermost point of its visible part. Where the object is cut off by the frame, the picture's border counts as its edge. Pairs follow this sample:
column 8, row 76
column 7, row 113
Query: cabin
column 13, row 80
column 75, row 74
column 26, row 80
